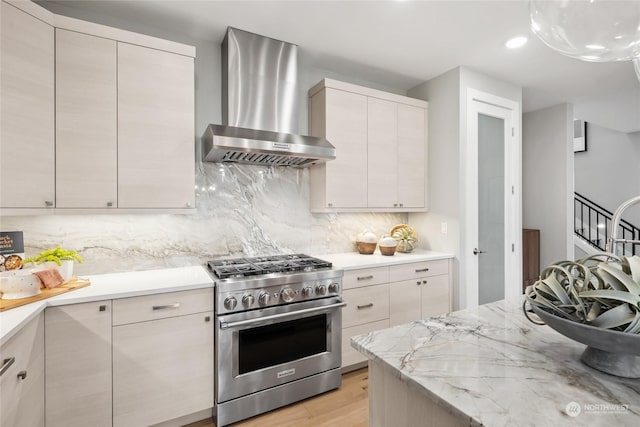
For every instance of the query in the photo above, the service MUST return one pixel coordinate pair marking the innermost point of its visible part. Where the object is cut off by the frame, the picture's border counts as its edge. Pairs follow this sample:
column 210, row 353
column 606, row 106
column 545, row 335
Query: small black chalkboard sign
column 11, row 250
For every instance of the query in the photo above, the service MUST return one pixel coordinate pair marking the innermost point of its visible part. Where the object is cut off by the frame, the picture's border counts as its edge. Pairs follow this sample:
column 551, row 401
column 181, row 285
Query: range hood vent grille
column 259, row 111
column 264, row 159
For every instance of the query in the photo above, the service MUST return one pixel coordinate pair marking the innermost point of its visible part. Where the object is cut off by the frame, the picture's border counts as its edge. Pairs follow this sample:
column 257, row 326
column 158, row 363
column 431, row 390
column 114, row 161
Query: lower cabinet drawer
column 161, row 306
column 351, row 356
column 365, row 305
column 418, row 269
column 365, row 277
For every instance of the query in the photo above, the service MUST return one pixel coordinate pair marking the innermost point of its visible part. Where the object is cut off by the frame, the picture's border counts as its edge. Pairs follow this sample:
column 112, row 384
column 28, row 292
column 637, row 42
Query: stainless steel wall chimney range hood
column 259, row 114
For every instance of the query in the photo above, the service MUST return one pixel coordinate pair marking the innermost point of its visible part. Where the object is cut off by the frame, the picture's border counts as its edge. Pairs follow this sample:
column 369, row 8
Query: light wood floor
column 347, row 406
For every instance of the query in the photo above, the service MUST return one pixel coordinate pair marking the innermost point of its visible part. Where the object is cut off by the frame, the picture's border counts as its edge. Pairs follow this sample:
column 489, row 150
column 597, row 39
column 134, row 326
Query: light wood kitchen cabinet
column 22, row 376
column 365, row 277
column 162, row 368
column 86, row 121
column 26, row 111
column 366, row 292
column 382, row 153
column 380, row 149
column 340, row 117
column 365, row 305
column 412, row 160
column 380, row 297
column 352, row 358
column 93, row 117
column 418, row 291
column 156, row 145
column 78, row 365
column 396, row 155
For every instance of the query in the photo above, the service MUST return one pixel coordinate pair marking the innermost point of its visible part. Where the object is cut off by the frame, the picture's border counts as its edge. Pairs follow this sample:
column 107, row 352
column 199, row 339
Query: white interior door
column 491, row 248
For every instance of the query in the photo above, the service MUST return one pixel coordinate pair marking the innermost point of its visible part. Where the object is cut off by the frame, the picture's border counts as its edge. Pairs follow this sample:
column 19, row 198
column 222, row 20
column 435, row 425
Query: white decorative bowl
column 19, row 284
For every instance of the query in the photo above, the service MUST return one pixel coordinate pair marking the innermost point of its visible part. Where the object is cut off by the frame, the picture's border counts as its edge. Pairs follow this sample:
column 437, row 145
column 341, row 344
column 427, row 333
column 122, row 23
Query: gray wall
column 447, row 97
column 608, row 173
column 547, row 178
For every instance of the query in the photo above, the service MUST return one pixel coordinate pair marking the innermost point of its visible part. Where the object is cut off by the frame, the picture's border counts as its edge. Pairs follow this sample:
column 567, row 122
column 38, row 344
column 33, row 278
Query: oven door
column 259, row 349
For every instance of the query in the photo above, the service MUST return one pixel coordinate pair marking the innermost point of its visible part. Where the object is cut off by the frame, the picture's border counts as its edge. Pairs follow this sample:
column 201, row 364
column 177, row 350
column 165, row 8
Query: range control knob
column 334, row 288
column 230, row 303
column 287, row 294
column 307, row 292
column 248, row 300
column 321, row 289
column 263, row 298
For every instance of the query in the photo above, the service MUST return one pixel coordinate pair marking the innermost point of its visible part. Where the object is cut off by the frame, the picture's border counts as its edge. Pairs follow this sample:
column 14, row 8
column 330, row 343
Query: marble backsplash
column 241, row 211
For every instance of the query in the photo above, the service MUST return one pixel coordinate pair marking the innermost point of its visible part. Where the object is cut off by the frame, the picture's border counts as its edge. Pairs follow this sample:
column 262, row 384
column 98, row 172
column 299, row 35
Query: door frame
column 478, row 102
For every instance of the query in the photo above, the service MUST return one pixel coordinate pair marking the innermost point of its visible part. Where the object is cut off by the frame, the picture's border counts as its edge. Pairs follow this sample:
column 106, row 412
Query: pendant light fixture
column 594, row 31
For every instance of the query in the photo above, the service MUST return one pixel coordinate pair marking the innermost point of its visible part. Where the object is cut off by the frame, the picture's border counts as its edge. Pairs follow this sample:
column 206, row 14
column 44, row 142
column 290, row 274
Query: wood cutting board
column 70, row 285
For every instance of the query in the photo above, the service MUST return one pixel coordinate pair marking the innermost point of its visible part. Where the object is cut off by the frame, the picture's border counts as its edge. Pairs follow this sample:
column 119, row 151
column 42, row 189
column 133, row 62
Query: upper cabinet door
column 382, row 152
column 27, row 117
column 412, row 141
column 86, row 121
column 346, row 129
column 156, row 139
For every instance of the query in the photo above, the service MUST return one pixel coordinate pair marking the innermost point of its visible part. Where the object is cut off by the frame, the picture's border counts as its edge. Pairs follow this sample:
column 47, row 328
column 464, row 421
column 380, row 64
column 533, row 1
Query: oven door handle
column 228, row 325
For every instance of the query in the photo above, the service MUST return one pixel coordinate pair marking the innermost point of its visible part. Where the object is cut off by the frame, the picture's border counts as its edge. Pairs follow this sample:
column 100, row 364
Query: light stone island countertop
column 110, row 286
column 490, row 366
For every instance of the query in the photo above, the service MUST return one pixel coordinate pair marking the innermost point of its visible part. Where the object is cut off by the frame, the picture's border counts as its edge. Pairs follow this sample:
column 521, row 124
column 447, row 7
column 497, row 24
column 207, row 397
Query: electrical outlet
column 443, row 228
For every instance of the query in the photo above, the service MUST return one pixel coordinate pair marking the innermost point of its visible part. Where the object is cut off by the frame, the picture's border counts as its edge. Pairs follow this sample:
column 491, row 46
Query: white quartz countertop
column 110, row 286
column 490, row 366
column 135, row 283
column 354, row 260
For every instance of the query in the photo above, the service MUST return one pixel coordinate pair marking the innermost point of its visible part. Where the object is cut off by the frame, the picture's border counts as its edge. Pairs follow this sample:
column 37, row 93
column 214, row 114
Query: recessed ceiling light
column 516, row 42
column 594, row 46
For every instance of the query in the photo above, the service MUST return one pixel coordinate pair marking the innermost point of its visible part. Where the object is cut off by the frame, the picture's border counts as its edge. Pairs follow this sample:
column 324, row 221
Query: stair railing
column 593, row 224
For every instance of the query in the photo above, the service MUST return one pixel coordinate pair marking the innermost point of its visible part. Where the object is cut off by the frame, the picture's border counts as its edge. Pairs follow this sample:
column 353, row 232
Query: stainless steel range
column 278, row 333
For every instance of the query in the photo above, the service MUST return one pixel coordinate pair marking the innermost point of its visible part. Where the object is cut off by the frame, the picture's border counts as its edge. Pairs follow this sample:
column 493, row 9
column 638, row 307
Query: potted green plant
column 62, row 258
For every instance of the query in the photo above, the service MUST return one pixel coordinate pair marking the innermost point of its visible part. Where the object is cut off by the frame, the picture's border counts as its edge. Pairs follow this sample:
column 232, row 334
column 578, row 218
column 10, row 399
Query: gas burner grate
column 256, row 266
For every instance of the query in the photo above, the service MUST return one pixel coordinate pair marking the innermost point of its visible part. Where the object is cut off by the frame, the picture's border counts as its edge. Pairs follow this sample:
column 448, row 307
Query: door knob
column 477, row 252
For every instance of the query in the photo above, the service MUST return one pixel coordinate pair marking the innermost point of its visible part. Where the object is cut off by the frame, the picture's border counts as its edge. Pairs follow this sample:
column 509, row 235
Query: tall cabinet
column 155, row 128
column 86, row 121
column 381, row 146
column 27, row 149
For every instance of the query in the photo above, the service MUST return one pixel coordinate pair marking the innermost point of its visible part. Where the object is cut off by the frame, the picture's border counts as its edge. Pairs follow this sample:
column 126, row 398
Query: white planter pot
column 65, row 269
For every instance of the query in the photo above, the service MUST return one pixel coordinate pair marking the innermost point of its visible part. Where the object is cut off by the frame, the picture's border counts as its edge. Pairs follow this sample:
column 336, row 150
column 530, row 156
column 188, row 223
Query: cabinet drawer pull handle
column 418, row 283
column 109, row 204
column 102, row 308
column 6, row 364
column 365, row 277
column 48, row 203
column 421, row 270
column 164, row 307
column 22, row 375
column 360, row 307
column 424, row 282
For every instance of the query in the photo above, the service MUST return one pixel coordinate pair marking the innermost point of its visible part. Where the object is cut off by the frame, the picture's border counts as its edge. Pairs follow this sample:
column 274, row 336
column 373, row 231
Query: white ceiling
column 403, row 43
